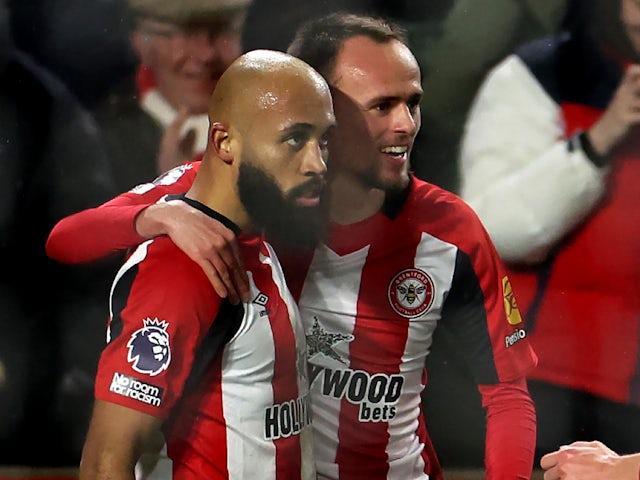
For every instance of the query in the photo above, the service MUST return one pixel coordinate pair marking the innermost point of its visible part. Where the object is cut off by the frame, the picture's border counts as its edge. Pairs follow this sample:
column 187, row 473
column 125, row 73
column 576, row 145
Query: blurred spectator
column 159, row 118
column 84, row 43
column 272, row 23
column 456, row 48
column 51, row 164
column 456, row 42
column 550, row 163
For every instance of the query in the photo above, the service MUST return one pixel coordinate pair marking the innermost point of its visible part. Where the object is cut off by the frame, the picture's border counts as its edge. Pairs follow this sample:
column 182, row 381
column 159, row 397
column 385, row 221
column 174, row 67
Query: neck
column 351, row 201
column 216, row 188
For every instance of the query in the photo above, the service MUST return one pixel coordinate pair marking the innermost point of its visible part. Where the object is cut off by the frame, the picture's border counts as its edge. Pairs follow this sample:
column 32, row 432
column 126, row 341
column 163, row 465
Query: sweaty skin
column 239, row 114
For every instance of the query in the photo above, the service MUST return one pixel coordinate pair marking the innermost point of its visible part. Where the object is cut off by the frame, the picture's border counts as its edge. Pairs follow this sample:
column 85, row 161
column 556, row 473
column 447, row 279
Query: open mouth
column 308, row 195
column 308, row 201
column 398, row 152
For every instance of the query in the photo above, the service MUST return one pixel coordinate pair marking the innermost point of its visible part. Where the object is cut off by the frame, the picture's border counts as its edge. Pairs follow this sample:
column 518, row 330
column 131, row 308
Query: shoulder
column 431, row 203
column 161, row 270
column 442, row 214
column 176, row 180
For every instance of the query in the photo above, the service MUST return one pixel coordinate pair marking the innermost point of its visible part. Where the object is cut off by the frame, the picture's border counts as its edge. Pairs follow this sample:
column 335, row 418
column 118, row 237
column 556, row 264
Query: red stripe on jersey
column 378, row 347
column 192, row 441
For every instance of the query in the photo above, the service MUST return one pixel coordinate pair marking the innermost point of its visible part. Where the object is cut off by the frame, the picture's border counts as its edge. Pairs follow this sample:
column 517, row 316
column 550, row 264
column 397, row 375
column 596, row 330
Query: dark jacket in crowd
column 52, row 318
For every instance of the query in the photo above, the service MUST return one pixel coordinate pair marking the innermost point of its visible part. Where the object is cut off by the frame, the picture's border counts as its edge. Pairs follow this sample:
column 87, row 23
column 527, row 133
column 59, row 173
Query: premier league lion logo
column 149, row 349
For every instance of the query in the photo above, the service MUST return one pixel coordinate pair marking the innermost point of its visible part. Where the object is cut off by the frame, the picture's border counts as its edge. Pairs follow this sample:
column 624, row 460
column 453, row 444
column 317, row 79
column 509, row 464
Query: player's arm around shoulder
column 116, row 439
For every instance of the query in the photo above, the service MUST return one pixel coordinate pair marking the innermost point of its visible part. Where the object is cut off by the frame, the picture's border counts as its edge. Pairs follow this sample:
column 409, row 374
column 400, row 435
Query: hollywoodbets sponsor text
column 375, row 394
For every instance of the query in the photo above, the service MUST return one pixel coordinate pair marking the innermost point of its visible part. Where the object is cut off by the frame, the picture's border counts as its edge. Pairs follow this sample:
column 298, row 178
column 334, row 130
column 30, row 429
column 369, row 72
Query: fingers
column 211, row 245
column 176, row 147
column 223, row 277
column 240, row 277
column 212, row 275
column 222, row 262
column 549, row 460
column 552, row 474
column 231, row 271
column 188, row 144
column 181, row 117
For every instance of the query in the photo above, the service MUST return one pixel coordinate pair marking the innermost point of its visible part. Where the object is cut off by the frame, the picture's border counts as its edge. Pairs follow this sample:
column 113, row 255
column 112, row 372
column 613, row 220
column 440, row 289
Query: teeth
column 399, row 150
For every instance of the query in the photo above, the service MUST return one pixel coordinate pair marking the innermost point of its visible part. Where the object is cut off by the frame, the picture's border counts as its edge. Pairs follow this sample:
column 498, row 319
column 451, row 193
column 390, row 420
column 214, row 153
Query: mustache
column 313, row 187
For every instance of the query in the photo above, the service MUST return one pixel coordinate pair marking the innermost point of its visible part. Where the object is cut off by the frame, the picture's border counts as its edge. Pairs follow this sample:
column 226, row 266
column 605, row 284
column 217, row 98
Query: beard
column 284, row 223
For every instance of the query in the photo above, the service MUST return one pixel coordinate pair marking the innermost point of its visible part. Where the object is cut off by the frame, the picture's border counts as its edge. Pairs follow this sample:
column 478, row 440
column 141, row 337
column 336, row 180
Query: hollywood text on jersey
column 287, row 418
column 376, row 394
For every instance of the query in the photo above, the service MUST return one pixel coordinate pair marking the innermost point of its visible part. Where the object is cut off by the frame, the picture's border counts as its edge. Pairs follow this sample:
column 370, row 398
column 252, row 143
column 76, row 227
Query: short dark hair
column 318, row 41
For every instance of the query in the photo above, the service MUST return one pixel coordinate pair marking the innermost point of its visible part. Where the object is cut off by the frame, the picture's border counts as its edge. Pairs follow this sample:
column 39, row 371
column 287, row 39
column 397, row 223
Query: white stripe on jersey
column 247, row 365
column 240, row 396
column 331, row 285
column 138, row 255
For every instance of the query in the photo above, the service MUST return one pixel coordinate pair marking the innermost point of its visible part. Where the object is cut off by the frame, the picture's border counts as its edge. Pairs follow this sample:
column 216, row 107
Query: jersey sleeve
column 161, row 308
column 481, row 311
column 98, row 232
column 511, row 430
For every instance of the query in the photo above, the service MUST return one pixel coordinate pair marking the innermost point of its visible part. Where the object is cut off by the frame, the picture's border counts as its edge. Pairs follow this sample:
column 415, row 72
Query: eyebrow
column 297, row 126
column 303, row 126
column 417, row 95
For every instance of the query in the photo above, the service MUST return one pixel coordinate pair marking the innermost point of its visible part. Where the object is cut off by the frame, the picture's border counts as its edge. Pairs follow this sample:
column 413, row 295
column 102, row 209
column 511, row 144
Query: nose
column 314, row 161
column 405, row 119
column 205, row 46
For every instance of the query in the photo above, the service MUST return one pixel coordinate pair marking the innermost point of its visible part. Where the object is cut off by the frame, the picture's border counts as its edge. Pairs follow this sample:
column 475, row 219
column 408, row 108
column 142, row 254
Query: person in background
column 158, row 119
column 84, row 44
column 402, row 258
column 52, row 164
column 227, row 384
column 456, row 49
column 549, row 161
column 589, row 461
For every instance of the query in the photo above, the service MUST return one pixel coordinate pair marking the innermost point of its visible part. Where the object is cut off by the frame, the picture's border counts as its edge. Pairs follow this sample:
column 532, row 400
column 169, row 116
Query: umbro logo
column 262, row 300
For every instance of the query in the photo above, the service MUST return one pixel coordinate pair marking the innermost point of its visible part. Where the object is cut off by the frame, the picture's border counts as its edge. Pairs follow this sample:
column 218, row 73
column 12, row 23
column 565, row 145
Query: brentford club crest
column 410, row 292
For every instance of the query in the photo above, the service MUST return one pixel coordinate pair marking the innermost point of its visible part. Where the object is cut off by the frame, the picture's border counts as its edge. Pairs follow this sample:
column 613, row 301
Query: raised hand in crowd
column 621, row 114
column 177, row 145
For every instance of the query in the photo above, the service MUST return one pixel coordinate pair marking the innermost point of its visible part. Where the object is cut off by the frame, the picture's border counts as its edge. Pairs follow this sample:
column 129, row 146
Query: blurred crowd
column 515, row 93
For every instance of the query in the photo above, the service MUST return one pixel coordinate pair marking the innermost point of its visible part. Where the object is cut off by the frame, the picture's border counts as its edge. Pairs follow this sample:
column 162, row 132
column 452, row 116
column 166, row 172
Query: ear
column 221, row 142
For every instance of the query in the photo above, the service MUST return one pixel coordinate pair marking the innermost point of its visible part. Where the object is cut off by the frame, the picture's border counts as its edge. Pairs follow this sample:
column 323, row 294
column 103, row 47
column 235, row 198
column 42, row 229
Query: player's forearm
column 115, row 440
column 104, row 467
column 93, row 234
column 154, row 220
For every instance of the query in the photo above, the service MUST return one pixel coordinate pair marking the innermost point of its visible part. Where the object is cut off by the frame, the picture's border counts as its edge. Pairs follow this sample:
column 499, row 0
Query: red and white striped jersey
column 245, row 412
column 370, row 303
